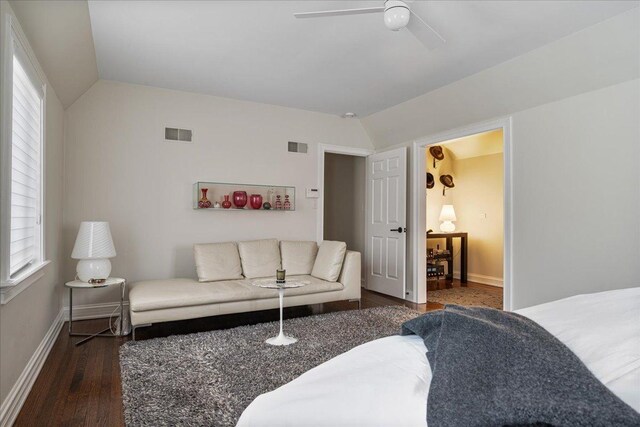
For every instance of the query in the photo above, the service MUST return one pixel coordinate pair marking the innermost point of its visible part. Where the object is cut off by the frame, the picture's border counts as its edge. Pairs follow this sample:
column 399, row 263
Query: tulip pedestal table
column 281, row 338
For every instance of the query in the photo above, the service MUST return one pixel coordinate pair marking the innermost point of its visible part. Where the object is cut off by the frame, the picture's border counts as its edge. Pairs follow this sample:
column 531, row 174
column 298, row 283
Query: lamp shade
column 447, row 213
column 94, row 241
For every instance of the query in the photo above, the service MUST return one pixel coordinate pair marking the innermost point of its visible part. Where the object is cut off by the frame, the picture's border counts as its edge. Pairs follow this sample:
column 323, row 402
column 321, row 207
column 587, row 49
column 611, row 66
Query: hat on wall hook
column 447, row 182
column 437, row 153
column 430, row 181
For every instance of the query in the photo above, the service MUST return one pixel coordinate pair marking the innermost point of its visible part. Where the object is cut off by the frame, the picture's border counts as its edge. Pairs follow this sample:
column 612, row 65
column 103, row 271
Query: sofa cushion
column 174, row 293
column 260, row 258
column 298, row 256
column 217, row 261
column 329, row 260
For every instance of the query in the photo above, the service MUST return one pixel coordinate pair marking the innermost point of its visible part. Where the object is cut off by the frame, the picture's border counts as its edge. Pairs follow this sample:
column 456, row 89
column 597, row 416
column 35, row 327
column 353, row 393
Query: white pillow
column 329, row 260
column 298, row 256
column 260, row 258
column 217, row 261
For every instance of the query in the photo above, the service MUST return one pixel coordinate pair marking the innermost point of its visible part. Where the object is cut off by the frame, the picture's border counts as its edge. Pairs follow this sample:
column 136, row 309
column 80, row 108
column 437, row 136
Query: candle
column 280, row 275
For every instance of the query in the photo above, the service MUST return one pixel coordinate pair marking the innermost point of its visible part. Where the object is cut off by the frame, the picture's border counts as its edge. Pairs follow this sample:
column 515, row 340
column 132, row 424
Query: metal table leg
column 79, row 334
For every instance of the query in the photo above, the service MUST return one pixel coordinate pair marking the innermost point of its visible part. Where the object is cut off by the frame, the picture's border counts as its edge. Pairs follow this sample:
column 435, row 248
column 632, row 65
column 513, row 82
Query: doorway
column 465, row 231
column 344, row 194
column 474, row 207
column 342, row 197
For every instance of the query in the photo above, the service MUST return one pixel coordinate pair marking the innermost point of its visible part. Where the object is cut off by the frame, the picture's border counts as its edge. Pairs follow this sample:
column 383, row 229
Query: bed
column 386, row 382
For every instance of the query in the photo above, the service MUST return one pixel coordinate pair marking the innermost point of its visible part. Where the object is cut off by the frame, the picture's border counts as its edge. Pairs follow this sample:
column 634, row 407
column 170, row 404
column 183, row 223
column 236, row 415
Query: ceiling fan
column 397, row 15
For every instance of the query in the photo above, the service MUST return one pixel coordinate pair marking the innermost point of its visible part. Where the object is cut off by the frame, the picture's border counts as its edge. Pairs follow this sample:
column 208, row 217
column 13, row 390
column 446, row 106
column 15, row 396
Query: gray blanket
column 493, row 368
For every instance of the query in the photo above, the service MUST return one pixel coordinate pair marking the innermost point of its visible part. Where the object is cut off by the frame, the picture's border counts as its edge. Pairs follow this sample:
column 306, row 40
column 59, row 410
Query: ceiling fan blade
column 424, row 32
column 342, row 12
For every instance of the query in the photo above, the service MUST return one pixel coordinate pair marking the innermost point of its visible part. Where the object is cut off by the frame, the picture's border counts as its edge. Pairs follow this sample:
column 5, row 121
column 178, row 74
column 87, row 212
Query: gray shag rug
column 466, row 297
column 209, row 378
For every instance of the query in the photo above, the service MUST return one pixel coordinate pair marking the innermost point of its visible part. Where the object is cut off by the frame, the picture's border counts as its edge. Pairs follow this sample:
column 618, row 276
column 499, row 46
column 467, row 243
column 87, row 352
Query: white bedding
column 385, row 382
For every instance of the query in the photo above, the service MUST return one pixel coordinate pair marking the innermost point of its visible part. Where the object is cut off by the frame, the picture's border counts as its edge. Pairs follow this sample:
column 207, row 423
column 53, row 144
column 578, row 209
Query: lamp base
column 447, row 227
column 93, row 270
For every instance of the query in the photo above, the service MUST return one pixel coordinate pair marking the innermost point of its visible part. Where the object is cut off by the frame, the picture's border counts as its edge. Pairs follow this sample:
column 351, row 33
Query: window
column 22, row 178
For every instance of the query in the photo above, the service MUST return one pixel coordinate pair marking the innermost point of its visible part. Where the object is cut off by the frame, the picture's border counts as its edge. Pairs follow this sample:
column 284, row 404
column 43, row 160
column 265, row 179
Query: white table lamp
column 447, row 214
column 94, row 247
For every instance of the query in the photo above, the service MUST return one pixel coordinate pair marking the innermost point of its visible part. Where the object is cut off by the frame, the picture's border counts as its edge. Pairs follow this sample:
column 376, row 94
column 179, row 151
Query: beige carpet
column 466, row 297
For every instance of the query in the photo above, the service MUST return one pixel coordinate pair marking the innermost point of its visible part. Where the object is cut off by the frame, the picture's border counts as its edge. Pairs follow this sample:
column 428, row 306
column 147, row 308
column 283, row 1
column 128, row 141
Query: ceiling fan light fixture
column 396, row 14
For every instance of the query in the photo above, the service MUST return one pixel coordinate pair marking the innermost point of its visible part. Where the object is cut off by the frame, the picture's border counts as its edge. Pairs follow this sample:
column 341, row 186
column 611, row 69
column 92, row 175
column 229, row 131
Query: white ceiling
column 257, row 50
column 59, row 33
column 480, row 144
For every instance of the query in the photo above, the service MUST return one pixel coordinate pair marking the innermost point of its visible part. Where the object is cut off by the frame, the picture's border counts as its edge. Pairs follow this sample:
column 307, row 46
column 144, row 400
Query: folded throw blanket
column 494, row 368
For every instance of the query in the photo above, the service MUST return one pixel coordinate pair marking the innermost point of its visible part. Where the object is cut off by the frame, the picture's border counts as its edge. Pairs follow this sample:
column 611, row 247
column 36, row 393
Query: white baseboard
column 94, row 311
column 479, row 278
column 18, row 394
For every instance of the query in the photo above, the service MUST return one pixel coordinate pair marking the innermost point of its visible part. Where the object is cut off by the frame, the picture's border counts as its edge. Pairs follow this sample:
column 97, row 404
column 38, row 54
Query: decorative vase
column 278, row 202
column 240, row 199
column 256, row 201
column 287, row 203
column 226, row 203
column 204, row 202
column 266, row 206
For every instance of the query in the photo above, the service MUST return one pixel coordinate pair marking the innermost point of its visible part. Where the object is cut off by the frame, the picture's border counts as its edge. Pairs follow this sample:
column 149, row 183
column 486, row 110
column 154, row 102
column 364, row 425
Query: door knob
column 399, row 229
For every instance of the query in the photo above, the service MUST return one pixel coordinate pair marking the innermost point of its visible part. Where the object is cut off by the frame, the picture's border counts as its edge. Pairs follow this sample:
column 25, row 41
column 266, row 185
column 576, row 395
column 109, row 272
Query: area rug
column 467, row 297
column 209, row 378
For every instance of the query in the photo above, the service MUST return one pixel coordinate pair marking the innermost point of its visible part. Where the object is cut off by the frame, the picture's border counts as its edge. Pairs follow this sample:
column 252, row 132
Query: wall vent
column 175, row 134
column 297, row 147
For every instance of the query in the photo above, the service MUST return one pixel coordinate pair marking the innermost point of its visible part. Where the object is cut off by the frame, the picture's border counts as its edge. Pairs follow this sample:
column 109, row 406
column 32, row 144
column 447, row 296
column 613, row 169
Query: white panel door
column 386, row 222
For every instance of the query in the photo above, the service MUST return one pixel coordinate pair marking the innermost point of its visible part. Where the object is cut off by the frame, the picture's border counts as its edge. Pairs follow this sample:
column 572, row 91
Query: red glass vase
column 226, row 203
column 256, row 201
column 240, row 199
column 204, row 202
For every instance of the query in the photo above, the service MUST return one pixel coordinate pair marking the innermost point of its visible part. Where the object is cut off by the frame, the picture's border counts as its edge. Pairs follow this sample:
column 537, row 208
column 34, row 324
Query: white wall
column 119, row 169
column 576, row 195
column 566, row 237
column 26, row 318
column 587, row 86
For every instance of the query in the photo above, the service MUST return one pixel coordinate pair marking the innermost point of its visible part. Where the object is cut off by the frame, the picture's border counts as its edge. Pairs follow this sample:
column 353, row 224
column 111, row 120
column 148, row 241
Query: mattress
column 386, row 382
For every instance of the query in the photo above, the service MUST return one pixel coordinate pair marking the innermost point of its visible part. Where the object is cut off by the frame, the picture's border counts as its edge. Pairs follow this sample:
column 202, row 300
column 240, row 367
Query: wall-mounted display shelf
column 224, row 196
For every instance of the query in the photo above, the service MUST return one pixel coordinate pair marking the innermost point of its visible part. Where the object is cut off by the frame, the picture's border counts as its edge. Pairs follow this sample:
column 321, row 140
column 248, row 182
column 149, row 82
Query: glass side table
column 281, row 339
column 77, row 284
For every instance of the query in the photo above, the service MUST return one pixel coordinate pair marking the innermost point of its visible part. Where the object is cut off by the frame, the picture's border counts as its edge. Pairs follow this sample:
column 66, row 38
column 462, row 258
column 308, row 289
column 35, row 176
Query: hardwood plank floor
column 80, row 385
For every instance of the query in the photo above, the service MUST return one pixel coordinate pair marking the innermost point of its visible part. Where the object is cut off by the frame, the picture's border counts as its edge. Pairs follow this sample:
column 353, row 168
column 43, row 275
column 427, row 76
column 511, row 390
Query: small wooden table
column 449, row 246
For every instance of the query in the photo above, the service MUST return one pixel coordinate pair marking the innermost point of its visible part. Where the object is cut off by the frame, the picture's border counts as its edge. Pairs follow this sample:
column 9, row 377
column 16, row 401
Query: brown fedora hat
column 436, row 152
column 447, row 181
column 430, row 181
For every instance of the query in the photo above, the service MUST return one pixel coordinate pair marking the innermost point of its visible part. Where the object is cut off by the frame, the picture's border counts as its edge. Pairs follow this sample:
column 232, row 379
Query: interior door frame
column 419, row 201
column 334, row 149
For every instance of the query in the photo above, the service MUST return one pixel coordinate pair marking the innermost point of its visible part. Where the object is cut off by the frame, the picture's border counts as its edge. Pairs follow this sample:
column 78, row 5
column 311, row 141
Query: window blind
column 26, row 149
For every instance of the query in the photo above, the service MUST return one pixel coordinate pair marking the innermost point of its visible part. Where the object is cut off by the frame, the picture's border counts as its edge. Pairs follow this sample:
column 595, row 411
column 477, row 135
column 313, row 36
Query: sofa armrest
column 351, row 273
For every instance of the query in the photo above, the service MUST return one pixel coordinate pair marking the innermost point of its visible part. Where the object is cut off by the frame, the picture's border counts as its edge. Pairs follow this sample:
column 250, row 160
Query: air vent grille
column 297, row 147
column 175, row 134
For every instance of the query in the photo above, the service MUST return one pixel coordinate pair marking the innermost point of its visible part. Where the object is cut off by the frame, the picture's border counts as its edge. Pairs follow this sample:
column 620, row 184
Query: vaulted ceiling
column 257, row 50
column 60, row 34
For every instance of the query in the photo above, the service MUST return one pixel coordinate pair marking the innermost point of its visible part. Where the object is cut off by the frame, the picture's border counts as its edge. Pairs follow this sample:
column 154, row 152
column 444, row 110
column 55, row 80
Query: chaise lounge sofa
column 226, row 270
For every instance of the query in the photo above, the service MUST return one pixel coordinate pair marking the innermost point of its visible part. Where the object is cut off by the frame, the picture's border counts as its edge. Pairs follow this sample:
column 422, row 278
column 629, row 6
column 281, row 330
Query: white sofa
column 225, row 271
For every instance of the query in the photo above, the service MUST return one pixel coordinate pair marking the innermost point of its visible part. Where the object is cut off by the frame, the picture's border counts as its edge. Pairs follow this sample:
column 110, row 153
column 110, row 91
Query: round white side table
column 78, row 284
column 281, row 339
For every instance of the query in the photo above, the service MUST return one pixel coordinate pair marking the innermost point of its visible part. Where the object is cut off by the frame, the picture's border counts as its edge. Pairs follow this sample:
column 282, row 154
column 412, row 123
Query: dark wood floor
column 80, row 385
